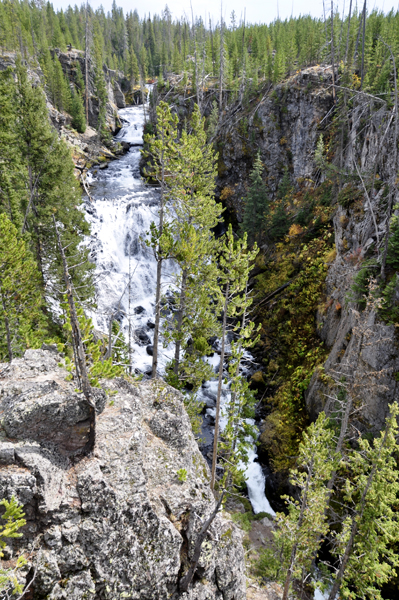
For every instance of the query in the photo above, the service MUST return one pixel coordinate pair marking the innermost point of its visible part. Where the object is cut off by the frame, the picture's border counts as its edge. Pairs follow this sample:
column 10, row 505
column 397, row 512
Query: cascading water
column 120, row 213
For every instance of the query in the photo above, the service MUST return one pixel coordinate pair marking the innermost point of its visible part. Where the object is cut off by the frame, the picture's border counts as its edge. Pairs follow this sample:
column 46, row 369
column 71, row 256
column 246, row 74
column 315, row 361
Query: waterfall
column 120, row 213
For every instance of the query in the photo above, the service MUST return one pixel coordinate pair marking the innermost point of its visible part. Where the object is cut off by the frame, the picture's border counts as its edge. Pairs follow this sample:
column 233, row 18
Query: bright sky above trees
column 262, row 11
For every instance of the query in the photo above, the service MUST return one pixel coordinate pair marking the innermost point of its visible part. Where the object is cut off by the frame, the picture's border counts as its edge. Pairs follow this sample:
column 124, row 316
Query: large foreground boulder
column 122, row 522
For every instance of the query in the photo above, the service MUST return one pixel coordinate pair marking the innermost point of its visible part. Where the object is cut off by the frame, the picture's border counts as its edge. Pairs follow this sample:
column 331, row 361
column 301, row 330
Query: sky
column 257, row 11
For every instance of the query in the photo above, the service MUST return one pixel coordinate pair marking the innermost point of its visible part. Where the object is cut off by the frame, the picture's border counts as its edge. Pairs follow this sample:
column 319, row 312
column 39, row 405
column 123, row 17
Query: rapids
column 120, row 213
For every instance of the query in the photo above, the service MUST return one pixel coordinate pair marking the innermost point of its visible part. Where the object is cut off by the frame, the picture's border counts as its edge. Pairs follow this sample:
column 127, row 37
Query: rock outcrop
column 283, row 126
column 122, row 522
column 113, row 79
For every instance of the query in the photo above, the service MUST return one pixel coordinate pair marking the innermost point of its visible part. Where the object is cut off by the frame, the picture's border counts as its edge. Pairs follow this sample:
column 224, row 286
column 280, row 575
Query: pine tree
column 393, row 244
column 161, row 151
column 239, row 435
column 14, row 518
column 53, row 189
column 22, row 322
column 301, row 530
column 363, row 545
column 12, row 191
column 134, row 73
column 60, row 92
column 77, row 112
column 79, row 80
column 100, row 87
column 256, row 205
column 195, row 213
column 235, row 263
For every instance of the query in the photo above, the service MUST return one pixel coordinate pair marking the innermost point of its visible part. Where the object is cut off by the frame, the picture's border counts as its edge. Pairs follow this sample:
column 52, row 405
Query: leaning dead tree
column 87, row 63
column 392, row 179
column 188, row 577
column 78, row 349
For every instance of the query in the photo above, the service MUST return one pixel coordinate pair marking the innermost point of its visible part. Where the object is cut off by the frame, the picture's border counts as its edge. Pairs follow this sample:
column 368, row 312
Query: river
column 120, row 212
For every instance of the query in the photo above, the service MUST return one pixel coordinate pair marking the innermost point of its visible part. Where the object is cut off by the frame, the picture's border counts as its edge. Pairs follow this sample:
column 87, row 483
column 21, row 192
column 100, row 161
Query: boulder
column 118, row 523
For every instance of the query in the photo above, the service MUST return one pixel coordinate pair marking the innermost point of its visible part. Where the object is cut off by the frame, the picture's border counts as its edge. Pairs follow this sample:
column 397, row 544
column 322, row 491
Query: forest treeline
column 158, row 45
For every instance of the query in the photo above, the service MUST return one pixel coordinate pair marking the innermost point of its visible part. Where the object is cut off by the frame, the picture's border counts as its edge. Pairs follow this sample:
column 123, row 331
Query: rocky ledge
column 122, row 522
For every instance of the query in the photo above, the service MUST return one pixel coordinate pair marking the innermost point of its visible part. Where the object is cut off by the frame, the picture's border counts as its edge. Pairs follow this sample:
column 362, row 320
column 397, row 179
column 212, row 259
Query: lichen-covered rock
column 120, row 523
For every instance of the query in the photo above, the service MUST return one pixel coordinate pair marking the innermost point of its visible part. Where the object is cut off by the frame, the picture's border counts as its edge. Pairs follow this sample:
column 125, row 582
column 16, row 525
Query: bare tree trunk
column 242, row 83
column 221, row 66
column 185, row 582
column 332, row 48
column 347, row 35
column 159, row 271
column 212, row 50
column 358, row 39
column 325, row 21
column 340, row 36
column 219, row 392
column 180, row 315
column 195, row 59
column 394, row 169
column 78, row 346
column 8, row 331
column 363, row 40
column 87, row 64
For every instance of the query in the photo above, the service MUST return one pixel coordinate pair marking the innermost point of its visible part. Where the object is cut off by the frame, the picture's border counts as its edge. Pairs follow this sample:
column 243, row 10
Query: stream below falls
column 120, row 212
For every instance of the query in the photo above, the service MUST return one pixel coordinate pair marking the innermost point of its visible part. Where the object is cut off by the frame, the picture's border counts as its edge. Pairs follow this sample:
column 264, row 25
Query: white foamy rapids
column 132, row 130
column 254, row 476
column 120, row 215
column 122, row 210
column 319, row 595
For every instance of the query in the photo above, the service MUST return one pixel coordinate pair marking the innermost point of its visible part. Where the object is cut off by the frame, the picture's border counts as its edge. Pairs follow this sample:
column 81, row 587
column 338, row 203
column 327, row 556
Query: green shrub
column 360, row 286
column 349, row 195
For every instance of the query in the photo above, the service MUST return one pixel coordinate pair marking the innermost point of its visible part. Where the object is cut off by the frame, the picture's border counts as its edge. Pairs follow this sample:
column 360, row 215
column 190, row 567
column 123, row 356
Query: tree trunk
column 87, row 63
column 159, row 273
column 180, row 315
column 363, row 40
column 358, row 39
column 221, row 68
column 185, row 582
column 219, row 392
column 195, row 60
column 212, row 50
column 332, row 48
column 347, row 35
column 299, row 524
column 8, row 331
column 356, row 518
column 78, row 346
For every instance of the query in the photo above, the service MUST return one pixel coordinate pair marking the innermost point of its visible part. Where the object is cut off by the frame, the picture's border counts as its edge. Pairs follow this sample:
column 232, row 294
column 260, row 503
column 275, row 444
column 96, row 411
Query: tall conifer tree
column 195, row 213
column 52, row 189
column 22, row 322
column 256, row 205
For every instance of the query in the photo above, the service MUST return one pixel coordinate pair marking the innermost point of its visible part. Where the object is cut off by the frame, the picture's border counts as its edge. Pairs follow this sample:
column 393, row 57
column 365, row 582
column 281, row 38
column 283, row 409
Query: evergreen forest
column 271, row 151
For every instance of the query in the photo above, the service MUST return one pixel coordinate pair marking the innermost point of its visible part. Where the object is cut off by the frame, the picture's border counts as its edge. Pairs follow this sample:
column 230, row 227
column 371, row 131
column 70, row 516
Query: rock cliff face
column 362, row 347
column 119, row 523
column 283, row 126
